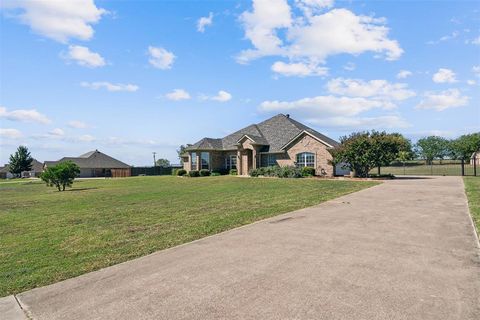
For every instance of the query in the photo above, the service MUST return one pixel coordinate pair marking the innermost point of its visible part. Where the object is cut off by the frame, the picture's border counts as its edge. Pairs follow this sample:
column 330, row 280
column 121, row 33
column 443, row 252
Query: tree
column 464, row 146
column 432, row 147
column 181, row 151
column 20, row 161
column 61, row 175
column 387, row 147
column 163, row 163
column 363, row 151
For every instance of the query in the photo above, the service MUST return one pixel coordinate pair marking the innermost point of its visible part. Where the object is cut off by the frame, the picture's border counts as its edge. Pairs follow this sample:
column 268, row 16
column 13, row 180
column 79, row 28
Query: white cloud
column 471, row 82
column 476, row 70
column 439, row 101
column 86, row 138
column 58, row 20
column 161, row 58
column 110, row 86
column 310, row 7
column 57, row 132
column 404, row 74
column 298, row 69
column 389, row 121
column 204, row 22
column 350, row 66
column 10, row 133
column 444, row 76
column 222, row 96
column 274, row 29
column 260, row 28
column 22, row 115
column 84, row 57
column 178, row 94
column 377, row 89
column 77, row 124
column 447, row 37
column 320, row 106
column 332, row 111
column 475, row 41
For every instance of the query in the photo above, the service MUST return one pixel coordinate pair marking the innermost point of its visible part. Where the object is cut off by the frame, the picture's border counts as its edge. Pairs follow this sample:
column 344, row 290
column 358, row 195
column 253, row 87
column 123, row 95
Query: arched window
column 306, row 159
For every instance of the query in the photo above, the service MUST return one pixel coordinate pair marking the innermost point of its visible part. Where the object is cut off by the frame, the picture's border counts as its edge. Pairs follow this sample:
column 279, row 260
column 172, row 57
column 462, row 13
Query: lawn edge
column 25, row 306
column 470, row 217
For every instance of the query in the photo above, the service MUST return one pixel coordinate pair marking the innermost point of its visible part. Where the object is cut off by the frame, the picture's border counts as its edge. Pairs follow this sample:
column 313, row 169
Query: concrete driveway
column 403, row 250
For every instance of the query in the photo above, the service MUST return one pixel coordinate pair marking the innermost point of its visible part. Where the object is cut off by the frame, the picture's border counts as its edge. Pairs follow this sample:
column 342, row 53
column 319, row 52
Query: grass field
column 472, row 188
column 47, row 236
column 447, row 169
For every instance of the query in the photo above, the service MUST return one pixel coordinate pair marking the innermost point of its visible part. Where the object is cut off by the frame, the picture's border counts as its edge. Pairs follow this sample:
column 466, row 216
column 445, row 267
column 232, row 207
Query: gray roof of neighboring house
column 37, row 166
column 93, row 159
column 275, row 133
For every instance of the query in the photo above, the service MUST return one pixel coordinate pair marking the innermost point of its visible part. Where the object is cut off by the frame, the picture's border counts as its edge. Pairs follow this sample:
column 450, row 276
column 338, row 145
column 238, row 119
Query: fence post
column 463, row 167
column 475, row 166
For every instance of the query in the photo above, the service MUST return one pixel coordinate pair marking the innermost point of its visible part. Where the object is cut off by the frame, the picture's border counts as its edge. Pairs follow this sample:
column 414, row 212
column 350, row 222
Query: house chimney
column 287, row 115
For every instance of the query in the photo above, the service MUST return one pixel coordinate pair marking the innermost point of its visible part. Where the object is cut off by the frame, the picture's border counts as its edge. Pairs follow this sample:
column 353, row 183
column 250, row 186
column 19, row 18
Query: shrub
column 222, row 171
column 204, row 173
column 233, row 172
column 308, row 171
column 276, row 171
column 290, row 172
column 215, row 174
column 254, row 173
column 181, row 172
column 174, row 172
column 61, row 175
column 194, row 173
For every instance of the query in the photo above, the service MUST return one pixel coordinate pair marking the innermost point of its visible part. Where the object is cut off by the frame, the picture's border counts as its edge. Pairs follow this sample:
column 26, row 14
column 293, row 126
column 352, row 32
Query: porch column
column 239, row 162
column 199, row 165
column 254, row 158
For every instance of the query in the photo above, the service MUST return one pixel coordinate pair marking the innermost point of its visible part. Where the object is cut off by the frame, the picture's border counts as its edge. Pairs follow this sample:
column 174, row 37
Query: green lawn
column 472, row 188
column 448, row 169
column 47, row 236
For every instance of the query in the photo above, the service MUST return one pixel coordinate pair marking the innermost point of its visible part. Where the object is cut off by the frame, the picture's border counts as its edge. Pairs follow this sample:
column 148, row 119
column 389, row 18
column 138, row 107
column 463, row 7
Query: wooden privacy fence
column 121, row 173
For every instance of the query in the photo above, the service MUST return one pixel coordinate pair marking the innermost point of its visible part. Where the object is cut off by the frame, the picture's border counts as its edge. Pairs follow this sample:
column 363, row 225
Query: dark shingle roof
column 275, row 132
column 37, row 166
column 93, row 159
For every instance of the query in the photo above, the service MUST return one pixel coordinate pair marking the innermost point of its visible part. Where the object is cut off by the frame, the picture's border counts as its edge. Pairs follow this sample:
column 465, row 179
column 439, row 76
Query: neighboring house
column 4, row 173
column 475, row 158
column 37, row 168
column 96, row 164
column 279, row 140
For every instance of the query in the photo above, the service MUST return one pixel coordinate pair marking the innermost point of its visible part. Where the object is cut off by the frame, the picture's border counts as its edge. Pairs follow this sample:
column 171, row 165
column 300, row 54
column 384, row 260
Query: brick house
column 279, row 140
column 96, row 164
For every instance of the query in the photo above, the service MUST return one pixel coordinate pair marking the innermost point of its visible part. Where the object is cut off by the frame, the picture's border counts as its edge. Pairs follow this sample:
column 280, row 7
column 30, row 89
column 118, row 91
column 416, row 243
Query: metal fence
column 470, row 167
column 153, row 171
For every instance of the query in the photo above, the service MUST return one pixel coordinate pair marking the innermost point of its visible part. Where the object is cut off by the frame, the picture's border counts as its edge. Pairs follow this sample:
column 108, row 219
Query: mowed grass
column 47, row 236
column 436, row 170
column 472, row 188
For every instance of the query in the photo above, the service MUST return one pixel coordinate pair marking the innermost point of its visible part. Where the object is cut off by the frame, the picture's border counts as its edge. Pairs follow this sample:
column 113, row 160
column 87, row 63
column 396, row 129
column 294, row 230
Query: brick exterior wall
column 308, row 144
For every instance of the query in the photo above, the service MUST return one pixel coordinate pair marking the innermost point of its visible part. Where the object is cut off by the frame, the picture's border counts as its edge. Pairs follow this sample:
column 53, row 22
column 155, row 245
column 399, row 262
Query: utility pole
column 154, row 161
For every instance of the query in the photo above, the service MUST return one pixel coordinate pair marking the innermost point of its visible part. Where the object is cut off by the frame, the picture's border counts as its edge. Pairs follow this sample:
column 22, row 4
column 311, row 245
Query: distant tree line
column 438, row 148
column 363, row 151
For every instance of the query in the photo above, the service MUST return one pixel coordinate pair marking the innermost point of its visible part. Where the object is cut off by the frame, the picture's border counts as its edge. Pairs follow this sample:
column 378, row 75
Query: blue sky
column 133, row 77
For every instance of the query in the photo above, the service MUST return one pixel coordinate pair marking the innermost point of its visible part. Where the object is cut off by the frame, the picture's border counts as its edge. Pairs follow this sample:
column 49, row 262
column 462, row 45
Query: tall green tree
column 163, row 163
column 20, row 161
column 181, row 151
column 432, row 147
column 61, row 175
column 464, row 146
column 362, row 151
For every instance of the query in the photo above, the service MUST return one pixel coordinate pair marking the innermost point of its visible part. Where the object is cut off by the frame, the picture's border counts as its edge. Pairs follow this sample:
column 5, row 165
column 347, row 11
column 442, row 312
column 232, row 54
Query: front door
column 246, row 161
